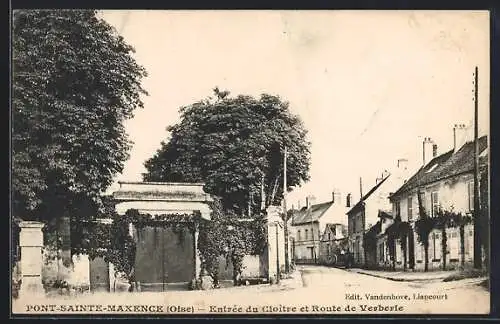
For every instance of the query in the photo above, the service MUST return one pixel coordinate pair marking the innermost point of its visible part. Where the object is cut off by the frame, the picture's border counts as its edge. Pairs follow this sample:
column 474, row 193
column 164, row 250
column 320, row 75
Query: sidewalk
column 405, row 275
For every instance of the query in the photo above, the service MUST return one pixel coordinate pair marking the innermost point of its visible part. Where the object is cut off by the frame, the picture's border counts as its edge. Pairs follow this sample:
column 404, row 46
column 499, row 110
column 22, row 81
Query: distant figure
column 348, row 259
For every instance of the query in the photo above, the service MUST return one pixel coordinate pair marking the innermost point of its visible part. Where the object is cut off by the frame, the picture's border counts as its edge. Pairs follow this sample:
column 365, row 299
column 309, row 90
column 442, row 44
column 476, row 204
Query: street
column 315, row 290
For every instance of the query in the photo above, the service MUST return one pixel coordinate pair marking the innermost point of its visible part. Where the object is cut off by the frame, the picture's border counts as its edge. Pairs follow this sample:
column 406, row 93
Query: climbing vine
column 231, row 237
column 447, row 219
column 224, row 234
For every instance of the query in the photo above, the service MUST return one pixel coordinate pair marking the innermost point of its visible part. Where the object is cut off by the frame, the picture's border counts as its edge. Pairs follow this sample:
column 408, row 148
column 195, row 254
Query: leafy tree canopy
column 230, row 143
column 75, row 82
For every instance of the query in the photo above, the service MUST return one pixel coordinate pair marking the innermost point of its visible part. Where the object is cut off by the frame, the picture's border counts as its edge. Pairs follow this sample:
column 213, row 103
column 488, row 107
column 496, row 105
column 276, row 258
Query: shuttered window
column 434, row 203
column 410, row 209
column 470, row 189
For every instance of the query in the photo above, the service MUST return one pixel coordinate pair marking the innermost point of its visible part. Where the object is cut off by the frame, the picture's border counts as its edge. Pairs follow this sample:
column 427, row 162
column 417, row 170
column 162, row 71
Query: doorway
column 165, row 259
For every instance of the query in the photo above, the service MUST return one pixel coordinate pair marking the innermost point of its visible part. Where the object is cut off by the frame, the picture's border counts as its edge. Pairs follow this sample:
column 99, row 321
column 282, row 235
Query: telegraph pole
column 360, row 188
column 262, row 193
column 285, row 223
column 477, row 212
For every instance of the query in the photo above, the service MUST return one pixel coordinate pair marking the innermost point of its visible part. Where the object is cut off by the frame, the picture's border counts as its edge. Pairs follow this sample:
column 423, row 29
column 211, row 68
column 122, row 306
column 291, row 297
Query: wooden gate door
column 164, row 258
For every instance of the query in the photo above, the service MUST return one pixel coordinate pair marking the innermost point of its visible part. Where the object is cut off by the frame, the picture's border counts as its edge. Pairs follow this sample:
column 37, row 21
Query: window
column 298, row 235
column 434, row 203
column 423, row 202
column 307, row 234
column 470, row 191
column 410, row 209
column 398, row 209
column 436, row 246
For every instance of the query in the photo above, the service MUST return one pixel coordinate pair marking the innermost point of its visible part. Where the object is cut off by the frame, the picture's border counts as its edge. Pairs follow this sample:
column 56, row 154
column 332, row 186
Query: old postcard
column 250, row 162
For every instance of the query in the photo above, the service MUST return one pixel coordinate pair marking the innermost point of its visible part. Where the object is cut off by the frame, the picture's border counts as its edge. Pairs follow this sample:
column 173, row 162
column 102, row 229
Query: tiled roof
column 444, row 166
column 313, row 214
column 368, row 194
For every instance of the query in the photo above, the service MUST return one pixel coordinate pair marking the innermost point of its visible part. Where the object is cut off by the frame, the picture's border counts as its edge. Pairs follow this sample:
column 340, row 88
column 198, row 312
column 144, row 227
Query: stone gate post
column 31, row 243
column 273, row 242
column 197, row 259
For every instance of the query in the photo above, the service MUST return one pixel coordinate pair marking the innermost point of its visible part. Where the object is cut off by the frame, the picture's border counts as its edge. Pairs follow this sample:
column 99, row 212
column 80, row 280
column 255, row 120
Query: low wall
column 77, row 275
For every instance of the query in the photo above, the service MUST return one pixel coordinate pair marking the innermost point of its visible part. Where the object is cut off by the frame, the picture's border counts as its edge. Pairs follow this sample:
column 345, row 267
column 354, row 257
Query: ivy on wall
column 231, row 237
column 224, row 235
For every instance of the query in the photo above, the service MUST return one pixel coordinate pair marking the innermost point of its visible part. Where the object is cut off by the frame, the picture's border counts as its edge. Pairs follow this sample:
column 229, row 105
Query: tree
column 442, row 222
column 392, row 235
column 404, row 230
column 448, row 218
column 74, row 83
column 398, row 230
column 226, row 235
column 423, row 226
column 231, row 144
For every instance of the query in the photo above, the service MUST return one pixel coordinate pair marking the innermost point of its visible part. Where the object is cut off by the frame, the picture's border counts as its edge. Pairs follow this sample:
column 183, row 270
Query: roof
column 313, row 214
column 367, row 195
column 444, row 166
column 160, row 191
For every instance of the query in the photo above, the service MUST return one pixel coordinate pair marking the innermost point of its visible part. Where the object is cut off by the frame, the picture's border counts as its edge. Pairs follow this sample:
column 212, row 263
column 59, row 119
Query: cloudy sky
column 368, row 85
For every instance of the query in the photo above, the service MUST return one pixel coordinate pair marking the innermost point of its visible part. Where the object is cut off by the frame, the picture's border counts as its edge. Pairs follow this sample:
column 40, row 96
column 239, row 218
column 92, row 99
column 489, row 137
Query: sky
column 368, row 85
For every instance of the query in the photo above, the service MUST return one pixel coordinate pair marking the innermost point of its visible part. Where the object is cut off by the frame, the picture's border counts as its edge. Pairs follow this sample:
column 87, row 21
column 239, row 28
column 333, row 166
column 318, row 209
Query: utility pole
column 285, row 223
column 360, row 188
column 477, row 212
column 278, row 275
column 250, row 201
column 262, row 193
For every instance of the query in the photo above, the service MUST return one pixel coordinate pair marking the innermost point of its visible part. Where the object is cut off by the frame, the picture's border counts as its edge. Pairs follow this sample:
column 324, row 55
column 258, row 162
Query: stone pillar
column 31, row 243
column 273, row 248
column 197, row 259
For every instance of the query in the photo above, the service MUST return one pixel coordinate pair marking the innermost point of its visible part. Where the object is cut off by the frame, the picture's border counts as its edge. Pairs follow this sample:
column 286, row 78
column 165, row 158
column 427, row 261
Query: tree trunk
column 462, row 246
column 394, row 255
column 426, row 256
column 444, row 247
column 404, row 248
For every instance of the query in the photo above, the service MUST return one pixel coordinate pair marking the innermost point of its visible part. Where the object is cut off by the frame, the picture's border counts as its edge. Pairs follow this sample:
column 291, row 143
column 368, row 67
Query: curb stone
column 397, row 279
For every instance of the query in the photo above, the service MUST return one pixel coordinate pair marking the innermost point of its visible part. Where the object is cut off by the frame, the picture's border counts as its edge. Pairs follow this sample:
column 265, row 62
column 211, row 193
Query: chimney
column 298, row 204
column 434, row 150
column 427, row 150
column 348, row 200
column 401, row 173
column 336, row 197
column 460, row 136
column 310, row 201
column 402, row 164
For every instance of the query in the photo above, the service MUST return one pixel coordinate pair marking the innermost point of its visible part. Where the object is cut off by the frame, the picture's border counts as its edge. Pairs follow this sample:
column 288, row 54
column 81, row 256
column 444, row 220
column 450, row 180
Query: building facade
column 365, row 214
column 446, row 182
column 309, row 224
column 333, row 244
